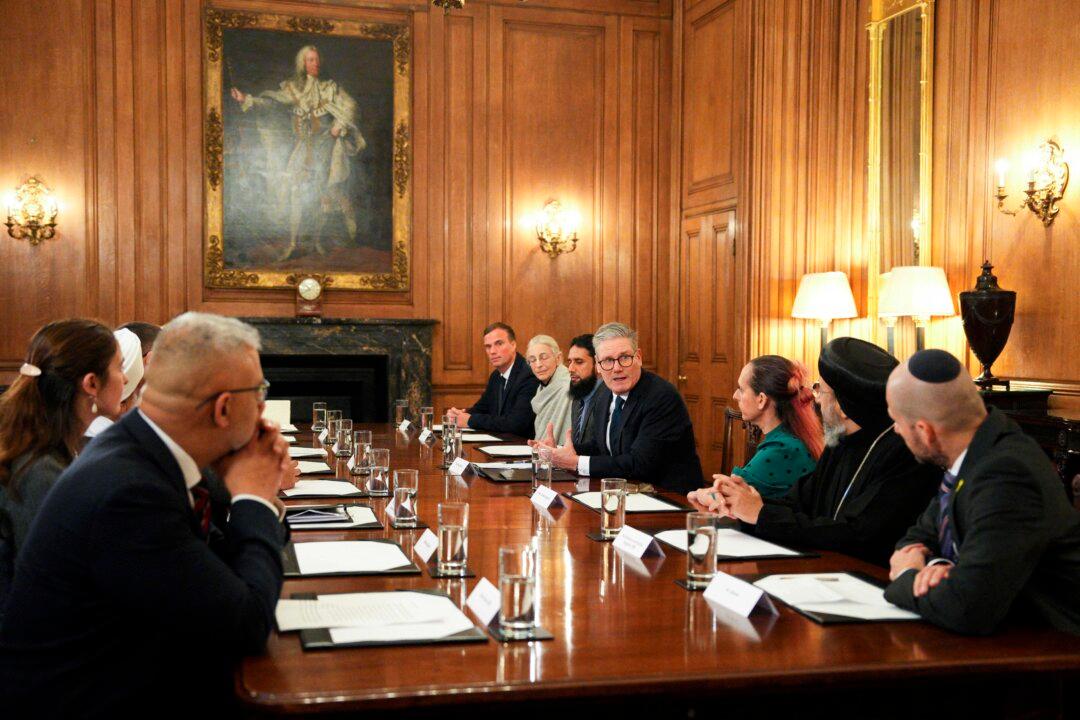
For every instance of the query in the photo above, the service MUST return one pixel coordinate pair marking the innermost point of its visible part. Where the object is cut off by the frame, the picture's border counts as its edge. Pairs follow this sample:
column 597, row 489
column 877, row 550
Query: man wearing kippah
column 1000, row 534
column 867, row 487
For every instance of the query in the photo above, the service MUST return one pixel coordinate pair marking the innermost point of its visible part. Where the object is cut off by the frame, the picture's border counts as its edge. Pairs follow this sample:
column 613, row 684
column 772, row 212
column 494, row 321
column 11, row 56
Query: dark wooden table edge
column 698, row 684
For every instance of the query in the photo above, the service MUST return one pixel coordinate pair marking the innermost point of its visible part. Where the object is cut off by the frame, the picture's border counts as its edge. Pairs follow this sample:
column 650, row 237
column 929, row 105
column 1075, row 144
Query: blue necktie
column 616, row 417
column 945, row 531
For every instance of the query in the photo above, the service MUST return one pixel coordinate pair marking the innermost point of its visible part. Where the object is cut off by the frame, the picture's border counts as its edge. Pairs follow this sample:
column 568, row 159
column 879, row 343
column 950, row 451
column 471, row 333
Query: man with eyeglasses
column 122, row 596
column 867, row 487
column 641, row 427
column 506, row 405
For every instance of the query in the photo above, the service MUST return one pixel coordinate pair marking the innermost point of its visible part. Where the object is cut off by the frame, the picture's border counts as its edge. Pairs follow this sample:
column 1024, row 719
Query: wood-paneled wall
column 512, row 105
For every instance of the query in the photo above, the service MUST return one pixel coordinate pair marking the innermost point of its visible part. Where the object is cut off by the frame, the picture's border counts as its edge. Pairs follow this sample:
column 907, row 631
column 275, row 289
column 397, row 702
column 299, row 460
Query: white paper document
column 508, row 450
column 834, row 594
column 313, row 467
column 729, row 543
column 635, row 502
column 504, row 465
column 289, row 438
column 279, row 411
column 478, row 437
column 357, row 610
column 329, row 488
column 357, row 515
column 316, row 558
column 299, row 452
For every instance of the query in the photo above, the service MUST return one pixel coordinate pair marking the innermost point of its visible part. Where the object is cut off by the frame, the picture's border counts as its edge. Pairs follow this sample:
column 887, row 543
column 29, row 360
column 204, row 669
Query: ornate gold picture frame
column 307, row 151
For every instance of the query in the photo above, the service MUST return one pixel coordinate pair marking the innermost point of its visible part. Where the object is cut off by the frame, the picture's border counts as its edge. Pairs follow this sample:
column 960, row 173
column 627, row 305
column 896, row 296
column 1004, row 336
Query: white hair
column 545, row 340
column 612, row 331
column 193, row 347
column 301, row 70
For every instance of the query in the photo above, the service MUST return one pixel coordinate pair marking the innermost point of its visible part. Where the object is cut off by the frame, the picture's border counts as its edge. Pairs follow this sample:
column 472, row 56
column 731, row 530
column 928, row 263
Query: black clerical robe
column 890, row 492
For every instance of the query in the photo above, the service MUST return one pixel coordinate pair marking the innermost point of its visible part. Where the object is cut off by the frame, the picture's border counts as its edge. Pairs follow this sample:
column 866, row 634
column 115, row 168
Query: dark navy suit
column 514, row 414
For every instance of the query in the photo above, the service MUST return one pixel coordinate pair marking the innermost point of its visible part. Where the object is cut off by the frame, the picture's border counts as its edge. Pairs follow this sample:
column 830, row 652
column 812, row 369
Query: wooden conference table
column 629, row 640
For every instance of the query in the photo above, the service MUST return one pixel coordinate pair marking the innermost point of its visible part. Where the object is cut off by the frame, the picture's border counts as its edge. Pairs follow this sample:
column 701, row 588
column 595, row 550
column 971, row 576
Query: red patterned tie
column 201, row 494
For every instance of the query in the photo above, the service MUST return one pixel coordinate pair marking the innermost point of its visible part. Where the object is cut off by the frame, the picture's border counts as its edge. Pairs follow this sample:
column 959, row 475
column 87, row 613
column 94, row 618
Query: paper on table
column 835, row 594
column 288, row 428
column 729, row 543
column 316, row 516
column 299, row 452
column 356, row 610
column 635, row 502
column 478, row 437
column 288, row 438
column 279, row 411
column 358, row 515
column 311, row 467
column 504, row 465
column 400, row 633
column 336, row 488
column 507, row 450
column 314, row 558
column 860, row 610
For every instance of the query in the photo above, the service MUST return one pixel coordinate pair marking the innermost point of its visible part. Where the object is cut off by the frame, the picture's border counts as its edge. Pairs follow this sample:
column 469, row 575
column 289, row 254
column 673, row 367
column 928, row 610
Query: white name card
column 545, row 497
column 404, row 426
column 391, row 509
column 426, row 545
column 637, row 543
column 484, row 600
column 323, row 435
column 458, row 467
column 426, row 435
column 739, row 596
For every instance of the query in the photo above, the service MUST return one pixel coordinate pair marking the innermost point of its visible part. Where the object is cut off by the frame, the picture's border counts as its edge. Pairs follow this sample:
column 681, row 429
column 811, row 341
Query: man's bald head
column 934, row 387
column 197, row 354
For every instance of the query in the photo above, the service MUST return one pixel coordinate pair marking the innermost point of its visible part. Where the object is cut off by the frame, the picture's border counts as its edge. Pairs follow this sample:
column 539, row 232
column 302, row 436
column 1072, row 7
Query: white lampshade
column 915, row 291
column 824, row 296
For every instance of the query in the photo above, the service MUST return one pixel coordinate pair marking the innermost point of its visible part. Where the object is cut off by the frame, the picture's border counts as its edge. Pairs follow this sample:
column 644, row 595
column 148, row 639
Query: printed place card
column 484, row 600
column 458, row 467
column 637, row 543
column 404, row 426
column 426, row 435
column 426, row 545
column 736, row 595
column 545, row 497
column 391, row 509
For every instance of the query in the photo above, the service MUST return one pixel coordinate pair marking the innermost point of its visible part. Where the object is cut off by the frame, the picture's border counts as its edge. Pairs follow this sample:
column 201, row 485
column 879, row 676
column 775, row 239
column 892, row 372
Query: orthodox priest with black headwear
column 867, row 488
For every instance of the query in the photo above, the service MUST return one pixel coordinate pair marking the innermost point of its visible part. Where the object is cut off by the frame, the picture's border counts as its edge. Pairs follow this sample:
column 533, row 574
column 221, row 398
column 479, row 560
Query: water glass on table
column 343, row 437
column 542, row 469
column 517, row 587
column 427, row 418
column 332, row 416
column 378, row 484
column 700, row 549
column 318, row 416
column 406, row 484
column 453, row 537
column 401, row 411
column 612, row 507
column 360, row 464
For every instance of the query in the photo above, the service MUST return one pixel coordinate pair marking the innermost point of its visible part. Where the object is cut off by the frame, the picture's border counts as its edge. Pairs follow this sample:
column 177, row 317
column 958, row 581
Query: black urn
column 988, row 313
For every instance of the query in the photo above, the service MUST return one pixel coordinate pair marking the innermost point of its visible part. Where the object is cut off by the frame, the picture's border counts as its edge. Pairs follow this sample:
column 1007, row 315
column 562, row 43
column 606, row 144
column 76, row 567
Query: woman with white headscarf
column 552, row 401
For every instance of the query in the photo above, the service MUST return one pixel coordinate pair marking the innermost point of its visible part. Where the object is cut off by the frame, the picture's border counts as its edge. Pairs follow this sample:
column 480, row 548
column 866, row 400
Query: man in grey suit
column 1000, row 536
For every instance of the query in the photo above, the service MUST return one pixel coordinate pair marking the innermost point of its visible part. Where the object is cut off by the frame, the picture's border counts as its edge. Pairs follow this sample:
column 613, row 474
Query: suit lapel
column 148, row 440
column 633, row 401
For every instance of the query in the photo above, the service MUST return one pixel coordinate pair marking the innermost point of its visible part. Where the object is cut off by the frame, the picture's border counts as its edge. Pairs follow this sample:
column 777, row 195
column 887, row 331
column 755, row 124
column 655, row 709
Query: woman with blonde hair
column 552, row 401
column 73, row 373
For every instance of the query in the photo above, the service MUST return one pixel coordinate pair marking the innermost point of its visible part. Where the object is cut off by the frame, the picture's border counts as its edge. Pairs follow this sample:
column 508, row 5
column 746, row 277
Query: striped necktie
column 200, row 493
column 946, row 544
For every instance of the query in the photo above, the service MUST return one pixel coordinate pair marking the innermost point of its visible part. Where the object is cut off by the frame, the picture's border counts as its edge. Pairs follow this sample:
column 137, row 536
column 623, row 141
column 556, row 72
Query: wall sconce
column 31, row 212
column 916, row 291
column 557, row 229
column 824, row 297
column 448, row 5
column 1047, row 177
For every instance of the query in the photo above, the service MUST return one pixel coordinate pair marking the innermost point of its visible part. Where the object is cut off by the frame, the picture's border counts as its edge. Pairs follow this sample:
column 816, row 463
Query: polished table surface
column 621, row 626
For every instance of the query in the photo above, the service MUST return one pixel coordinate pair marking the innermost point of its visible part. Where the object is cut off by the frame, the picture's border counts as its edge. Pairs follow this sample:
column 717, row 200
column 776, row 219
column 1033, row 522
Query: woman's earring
column 93, row 407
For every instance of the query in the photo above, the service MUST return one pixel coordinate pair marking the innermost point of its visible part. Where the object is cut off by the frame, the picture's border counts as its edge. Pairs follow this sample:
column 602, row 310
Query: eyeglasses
column 538, row 359
column 260, row 391
column 609, row 363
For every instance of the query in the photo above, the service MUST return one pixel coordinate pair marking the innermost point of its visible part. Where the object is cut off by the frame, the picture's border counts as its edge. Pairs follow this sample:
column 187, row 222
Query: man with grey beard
column 867, row 488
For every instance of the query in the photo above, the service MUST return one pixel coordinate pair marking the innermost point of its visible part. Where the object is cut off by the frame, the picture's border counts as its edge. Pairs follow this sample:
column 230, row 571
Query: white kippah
column 131, row 351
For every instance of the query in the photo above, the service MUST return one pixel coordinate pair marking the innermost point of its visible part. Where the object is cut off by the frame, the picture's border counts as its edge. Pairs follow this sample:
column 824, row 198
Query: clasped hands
column 262, row 467
column 729, row 496
column 913, row 557
column 461, row 416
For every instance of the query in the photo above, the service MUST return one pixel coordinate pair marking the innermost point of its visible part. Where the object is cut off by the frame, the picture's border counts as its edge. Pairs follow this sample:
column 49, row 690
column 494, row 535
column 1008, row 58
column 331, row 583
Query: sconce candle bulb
column 556, row 229
column 1047, row 176
column 31, row 212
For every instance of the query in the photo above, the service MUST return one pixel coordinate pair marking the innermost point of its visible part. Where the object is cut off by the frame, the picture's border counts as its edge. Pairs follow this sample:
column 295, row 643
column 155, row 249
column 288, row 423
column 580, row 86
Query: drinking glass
column 453, row 537
column 318, row 416
column 700, row 549
column 401, row 411
column 343, row 438
column 612, row 506
column 542, row 476
column 379, row 480
column 517, row 586
column 448, row 421
column 406, row 483
column 331, row 416
column 427, row 418
column 360, row 464
column 451, row 442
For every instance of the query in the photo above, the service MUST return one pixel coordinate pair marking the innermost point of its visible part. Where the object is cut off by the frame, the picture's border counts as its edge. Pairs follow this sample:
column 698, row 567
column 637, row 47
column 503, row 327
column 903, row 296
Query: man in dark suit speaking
column 119, row 605
column 641, row 427
column 506, row 405
column 1000, row 537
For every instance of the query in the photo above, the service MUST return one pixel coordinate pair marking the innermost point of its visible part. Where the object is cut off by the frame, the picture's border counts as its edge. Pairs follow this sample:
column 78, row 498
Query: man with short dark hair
column 581, row 361
column 1000, row 534
column 506, row 405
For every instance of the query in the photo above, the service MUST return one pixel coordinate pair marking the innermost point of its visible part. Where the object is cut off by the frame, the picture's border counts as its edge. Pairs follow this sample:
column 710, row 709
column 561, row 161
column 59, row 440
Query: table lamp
column 824, row 297
column 918, row 292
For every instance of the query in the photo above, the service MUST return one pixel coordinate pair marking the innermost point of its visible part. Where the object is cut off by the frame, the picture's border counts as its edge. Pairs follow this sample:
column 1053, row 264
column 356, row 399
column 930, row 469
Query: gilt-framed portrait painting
column 307, row 157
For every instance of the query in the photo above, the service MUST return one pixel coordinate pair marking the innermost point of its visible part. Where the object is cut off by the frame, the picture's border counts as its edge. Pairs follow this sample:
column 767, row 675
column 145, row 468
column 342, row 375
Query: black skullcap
column 857, row 371
column 934, row 366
